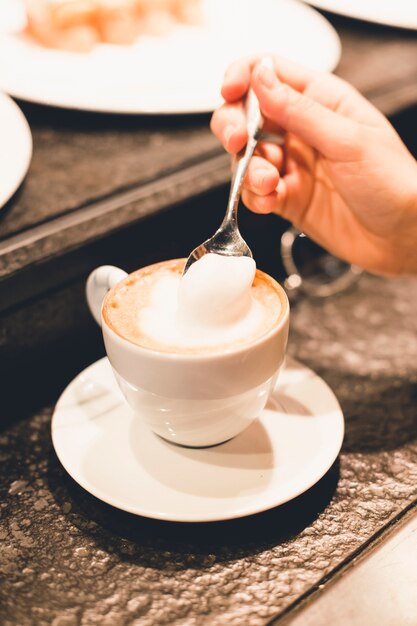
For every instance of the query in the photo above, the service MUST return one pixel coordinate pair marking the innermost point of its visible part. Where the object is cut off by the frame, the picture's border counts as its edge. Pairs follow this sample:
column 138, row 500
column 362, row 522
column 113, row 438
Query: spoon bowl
column 227, row 240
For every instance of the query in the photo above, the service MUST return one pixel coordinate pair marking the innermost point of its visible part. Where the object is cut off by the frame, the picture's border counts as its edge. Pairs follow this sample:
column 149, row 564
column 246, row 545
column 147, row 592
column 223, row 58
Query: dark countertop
column 99, row 189
column 68, row 559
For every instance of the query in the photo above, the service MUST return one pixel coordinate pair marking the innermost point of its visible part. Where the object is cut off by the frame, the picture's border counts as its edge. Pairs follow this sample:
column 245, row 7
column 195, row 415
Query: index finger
column 238, row 75
column 237, row 78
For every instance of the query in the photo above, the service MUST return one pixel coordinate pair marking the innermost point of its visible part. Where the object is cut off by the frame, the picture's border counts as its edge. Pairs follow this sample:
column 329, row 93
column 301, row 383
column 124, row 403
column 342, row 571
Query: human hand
column 342, row 175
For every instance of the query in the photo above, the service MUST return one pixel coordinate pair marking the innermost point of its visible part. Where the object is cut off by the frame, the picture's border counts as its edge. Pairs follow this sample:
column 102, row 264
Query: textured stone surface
column 68, row 560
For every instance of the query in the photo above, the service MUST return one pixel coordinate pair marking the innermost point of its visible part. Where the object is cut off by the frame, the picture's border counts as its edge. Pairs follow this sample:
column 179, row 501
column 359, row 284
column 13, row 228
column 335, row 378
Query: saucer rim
column 236, row 513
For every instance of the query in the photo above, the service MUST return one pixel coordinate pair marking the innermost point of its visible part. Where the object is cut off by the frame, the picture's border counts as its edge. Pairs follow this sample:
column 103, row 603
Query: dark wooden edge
column 71, row 232
column 365, row 549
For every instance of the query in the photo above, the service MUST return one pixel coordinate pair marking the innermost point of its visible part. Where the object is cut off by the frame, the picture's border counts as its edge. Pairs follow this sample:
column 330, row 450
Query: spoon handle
column 237, row 181
column 254, row 122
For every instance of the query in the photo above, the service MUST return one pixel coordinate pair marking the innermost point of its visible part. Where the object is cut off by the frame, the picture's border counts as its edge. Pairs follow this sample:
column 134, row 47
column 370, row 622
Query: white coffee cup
column 192, row 399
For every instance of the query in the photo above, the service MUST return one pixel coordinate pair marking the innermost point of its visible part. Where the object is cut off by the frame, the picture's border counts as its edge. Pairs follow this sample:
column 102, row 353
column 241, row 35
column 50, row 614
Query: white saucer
column 114, row 456
column 15, row 147
column 179, row 73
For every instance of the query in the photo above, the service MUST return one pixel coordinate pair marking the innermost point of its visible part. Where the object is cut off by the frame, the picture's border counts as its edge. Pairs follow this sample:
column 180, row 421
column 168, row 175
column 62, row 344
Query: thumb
column 332, row 134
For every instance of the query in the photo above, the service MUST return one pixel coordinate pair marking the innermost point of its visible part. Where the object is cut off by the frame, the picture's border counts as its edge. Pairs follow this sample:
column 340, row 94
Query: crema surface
column 221, row 303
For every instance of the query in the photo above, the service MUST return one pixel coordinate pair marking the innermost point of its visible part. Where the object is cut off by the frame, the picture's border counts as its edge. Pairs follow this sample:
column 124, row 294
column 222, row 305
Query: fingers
column 328, row 132
column 307, row 115
column 271, row 152
column 292, row 195
column 329, row 90
column 326, row 89
column 237, row 77
column 228, row 124
column 261, row 204
column 341, row 97
column 262, row 177
column 295, row 75
column 284, row 200
column 274, row 202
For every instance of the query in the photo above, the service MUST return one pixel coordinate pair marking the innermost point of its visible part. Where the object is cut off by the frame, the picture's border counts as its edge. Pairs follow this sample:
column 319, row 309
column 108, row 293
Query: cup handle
column 98, row 284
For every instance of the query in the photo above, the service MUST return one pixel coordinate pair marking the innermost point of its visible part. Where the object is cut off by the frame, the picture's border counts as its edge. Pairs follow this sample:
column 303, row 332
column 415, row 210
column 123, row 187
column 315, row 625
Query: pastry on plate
column 78, row 25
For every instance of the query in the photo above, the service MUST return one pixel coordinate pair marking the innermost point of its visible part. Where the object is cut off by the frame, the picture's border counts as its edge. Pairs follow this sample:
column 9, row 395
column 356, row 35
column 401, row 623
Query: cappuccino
column 221, row 303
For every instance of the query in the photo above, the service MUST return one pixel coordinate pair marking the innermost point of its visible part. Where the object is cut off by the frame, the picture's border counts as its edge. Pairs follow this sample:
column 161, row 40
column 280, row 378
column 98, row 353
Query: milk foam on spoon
column 212, row 304
column 216, row 289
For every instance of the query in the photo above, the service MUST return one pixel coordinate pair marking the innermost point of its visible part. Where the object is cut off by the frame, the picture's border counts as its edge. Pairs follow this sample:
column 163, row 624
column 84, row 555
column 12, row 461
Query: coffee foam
column 219, row 303
column 215, row 291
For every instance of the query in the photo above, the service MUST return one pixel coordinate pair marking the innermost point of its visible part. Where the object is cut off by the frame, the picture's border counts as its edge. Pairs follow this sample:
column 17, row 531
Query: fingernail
column 266, row 77
column 229, row 131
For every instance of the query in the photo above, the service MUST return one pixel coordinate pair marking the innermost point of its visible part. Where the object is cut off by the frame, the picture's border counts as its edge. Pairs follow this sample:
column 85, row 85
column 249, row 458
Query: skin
column 342, row 174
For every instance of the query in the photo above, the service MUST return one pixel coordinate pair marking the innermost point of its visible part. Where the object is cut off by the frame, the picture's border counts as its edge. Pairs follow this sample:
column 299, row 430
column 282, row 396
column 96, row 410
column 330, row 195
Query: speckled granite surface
column 68, row 560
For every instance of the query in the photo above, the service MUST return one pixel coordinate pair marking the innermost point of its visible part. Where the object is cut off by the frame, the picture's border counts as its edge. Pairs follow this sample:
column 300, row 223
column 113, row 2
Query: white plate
column 114, row 456
column 181, row 73
column 15, row 147
column 400, row 13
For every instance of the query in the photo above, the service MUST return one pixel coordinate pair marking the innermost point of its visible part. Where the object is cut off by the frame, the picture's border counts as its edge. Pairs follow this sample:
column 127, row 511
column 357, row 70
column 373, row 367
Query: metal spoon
column 227, row 240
